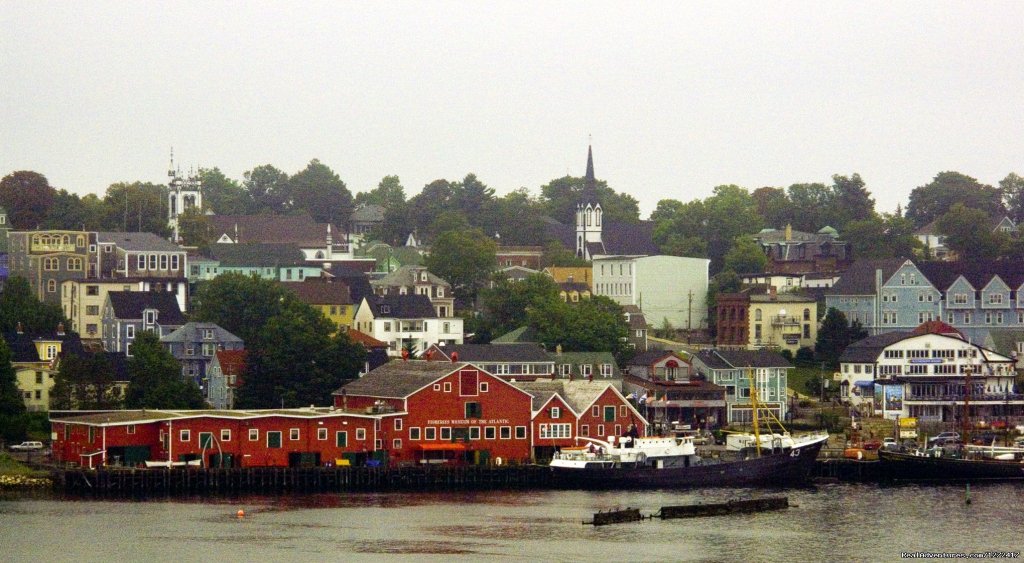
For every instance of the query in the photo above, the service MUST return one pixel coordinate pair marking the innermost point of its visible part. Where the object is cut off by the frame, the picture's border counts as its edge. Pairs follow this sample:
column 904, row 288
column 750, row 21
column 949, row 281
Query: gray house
column 195, row 345
column 126, row 313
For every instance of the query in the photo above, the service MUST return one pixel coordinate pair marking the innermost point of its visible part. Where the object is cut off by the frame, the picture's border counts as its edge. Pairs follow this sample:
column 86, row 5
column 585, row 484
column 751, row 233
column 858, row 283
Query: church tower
column 588, row 212
column 183, row 193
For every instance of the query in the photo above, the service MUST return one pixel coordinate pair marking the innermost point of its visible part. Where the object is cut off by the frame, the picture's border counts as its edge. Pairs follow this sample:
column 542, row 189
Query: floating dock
column 720, row 509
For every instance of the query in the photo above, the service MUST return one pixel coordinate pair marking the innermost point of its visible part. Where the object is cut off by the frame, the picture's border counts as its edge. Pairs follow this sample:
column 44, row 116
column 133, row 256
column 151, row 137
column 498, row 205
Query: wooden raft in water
column 731, row 507
column 616, row 517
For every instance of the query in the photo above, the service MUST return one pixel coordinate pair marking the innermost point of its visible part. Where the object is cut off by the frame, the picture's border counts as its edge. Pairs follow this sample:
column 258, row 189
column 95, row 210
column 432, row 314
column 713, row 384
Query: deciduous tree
column 465, row 259
column 268, row 189
column 27, row 196
column 933, row 200
column 156, row 380
column 319, row 191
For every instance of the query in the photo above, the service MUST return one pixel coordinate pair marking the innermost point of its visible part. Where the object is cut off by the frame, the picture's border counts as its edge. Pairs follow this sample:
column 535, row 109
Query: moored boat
column 975, row 464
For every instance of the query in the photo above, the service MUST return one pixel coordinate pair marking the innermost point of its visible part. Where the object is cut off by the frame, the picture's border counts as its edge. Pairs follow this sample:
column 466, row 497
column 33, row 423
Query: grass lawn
column 799, row 376
column 12, row 467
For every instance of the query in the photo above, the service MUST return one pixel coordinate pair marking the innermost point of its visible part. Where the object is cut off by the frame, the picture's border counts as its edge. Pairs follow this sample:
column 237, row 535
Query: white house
column 663, row 287
column 406, row 321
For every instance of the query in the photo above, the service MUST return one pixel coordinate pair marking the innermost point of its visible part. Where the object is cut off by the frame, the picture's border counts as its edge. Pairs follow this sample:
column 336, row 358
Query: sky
column 675, row 98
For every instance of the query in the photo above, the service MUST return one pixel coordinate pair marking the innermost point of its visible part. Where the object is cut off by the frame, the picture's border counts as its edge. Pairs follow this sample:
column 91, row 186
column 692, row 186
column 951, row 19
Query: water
column 841, row 522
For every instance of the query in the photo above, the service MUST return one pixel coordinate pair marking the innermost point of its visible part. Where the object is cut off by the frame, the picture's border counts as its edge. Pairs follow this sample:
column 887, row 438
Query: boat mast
column 751, row 380
column 967, row 404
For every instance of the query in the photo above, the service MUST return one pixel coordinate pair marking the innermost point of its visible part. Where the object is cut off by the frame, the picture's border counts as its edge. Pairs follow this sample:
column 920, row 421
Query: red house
column 453, row 412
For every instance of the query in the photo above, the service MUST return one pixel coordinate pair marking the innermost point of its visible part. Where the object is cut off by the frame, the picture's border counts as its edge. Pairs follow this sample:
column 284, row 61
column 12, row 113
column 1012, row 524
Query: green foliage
column 969, row 233
column 666, row 330
column 268, row 189
column 389, row 193
column 463, row 258
column 319, row 191
column 86, row 383
column 591, row 325
column 27, row 196
column 195, row 229
column 69, row 212
column 746, row 256
column 505, row 305
column 223, row 195
column 156, row 380
column 882, row 236
column 559, row 197
column 138, row 206
column 834, row 336
column 557, row 255
column 18, row 303
column 11, row 402
column 804, row 356
column 240, row 304
column 932, row 200
column 1012, row 189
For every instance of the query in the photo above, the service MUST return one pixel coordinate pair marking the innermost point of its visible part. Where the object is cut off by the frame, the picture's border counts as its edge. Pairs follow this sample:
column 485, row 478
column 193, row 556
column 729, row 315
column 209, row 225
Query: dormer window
column 150, row 316
column 385, row 309
column 423, row 276
column 207, row 334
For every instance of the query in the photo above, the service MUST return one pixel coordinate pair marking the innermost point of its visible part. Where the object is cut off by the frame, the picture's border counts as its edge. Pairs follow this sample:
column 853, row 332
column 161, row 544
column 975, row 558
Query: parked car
column 944, row 438
column 27, row 447
column 984, row 438
column 872, row 445
column 889, row 444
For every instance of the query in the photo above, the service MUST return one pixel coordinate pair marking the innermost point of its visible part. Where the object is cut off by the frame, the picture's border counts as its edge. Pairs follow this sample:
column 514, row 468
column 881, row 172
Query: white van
column 27, row 446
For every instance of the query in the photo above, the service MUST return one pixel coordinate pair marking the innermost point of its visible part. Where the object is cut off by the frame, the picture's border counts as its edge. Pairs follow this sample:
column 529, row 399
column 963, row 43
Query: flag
column 643, row 398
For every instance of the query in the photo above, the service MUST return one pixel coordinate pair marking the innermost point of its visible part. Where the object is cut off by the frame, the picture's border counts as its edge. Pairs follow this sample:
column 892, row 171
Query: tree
column 71, row 212
column 268, row 189
column 138, row 206
column 834, row 336
column 932, row 200
column 812, row 205
column 590, row 325
column 516, row 219
column 1012, row 189
column 773, row 206
column 388, row 193
column 195, row 228
column 506, row 303
column 969, row 233
column 709, row 227
column 555, row 254
column 19, row 304
column 239, row 304
column 852, row 200
column 11, row 402
column 746, row 256
column 560, row 196
column 223, row 195
column 27, row 196
column 319, row 191
column 156, row 380
column 84, row 382
column 882, row 236
column 464, row 258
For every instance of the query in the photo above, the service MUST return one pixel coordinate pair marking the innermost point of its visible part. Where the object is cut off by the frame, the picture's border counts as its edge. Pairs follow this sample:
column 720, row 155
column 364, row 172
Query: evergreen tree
column 156, row 380
column 834, row 336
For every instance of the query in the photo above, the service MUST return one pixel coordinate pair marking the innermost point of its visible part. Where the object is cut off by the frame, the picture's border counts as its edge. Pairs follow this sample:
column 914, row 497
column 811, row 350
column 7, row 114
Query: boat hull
column 910, row 467
column 789, row 467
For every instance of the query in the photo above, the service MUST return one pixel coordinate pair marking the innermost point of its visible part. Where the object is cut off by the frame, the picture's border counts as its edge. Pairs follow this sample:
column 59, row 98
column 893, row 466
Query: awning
column 451, row 446
column 863, row 383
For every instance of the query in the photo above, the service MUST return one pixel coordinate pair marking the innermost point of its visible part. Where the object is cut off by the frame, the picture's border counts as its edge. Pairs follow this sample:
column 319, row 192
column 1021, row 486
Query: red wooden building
column 453, row 411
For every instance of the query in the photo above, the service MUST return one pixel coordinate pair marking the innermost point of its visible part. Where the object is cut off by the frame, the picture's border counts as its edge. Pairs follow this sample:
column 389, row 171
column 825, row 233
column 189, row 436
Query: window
column 506, row 433
column 209, row 348
column 396, row 443
column 51, row 286
column 360, row 434
column 474, row 432
column 293, row 434
column 585, row 430
column 254, row 434
column 131, row 429
column 414, row 433
column 988, row 318
column 437, row 387
column 430, row 433
column 606, row 370
column 190, row 349
column 556, row 412
column 484, row 386
column 447, row 386
column 378, row 444
column 185, row 435
column 141, row 262
column 174, row 261
column 967, row 318
column 39, row 378
column 225, row 434
column 757, row 314
column 51, row 264
column 959, row 298
column 341, row 438
column 595, row 411
column 152, row 261
column 489, row 433
column 163, row 261
column 321, row 433
column 150, row 317
column 586, row 370
column 274, row 439
column 130, row 331
column 565, row 369
column 520, row 432
column 600, row 430
column 995, row 298
column 206, row 440
column 398, row 424
column 609, row 413
column 622, row 411
column 446, row 433
column 92, row 310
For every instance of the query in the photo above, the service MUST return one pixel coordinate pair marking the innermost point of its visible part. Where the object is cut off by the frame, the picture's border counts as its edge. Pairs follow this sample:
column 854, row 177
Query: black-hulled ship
column 673, row 462
column 969, row 464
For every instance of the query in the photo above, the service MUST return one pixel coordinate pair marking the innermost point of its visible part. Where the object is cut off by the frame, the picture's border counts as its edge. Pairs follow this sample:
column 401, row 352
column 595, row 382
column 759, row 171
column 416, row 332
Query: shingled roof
column 977, row 272
column 866, row 351
column 859, row 278
column 137, row 241
column 320, row 291
column 191, row 332
column 23, row 347
column 399, row 379
column 297, row 229
column 733, row 359
column 129, row 305
column 408, row 276
column 518, row 352
column 258, row 254
column 401, row 306
column 579, row 394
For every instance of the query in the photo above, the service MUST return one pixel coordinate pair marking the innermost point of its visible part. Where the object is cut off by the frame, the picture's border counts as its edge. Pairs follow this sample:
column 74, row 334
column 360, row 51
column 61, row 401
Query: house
column 592, row 237
column 796, row 252
column 572, row 292
column 665, row 288
column 637, row 327
column 195, row 346
column 586, row 365
column 406, row 322
column 515, row 273
column 253, row 438
column 736, row 370
column 454, row 412
column 416, row 280
column 508, row 361
column 524, row 256
column 317, row 242
column 35, row 359
column 271, row 261
column 669, row 393
column 126, row 313
column 48, row 258
column 140, row 255
column 566, row 274
column 376, row 350
column 224, row 377
column 365, row 217
column 82, row 300
column 780, row 321
column 935, row 243
column 563, row 411
column 928, row 373
column 328, row 296
column 892, row 296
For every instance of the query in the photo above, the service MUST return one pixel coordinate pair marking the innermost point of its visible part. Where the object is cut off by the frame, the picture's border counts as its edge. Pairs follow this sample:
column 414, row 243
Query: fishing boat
column 968, row 463
column 673, row 461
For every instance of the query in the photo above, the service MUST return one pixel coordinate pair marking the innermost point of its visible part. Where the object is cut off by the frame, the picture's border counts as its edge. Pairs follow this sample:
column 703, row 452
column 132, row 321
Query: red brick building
column 732, row 310
column 527, row 256
column 453, row 412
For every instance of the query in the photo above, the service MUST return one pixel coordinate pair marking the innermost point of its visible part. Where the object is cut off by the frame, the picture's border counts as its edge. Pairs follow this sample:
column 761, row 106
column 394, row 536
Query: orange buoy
column 240, row 513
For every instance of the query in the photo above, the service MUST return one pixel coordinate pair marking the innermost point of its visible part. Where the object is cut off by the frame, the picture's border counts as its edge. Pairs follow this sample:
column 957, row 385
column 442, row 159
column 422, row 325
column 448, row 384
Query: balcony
column 975, row 397
column 785, row 322
column 51, row 247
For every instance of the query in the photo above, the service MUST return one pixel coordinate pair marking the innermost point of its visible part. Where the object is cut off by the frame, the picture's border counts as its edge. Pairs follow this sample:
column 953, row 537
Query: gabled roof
column 400, row 306
column 408, row 276
column 859, row 278
column 635, row 317
column 23, row 347
column 577, row 394
column 258, row 254
column 867, row 350
column 733, row 359
column 368, row 213
column 652, row 357
column 320, row 291
column 520, row 335
column 480, row 353
column 1004, row 340
column 137, row 241
column 129, row 305
column 191, row 332
column 629, row 238
column 366, row 340
column 297, row 229
column 232, row 362
column 596, row 359
column 542, row 391
column 399, row 379
column 977, row 272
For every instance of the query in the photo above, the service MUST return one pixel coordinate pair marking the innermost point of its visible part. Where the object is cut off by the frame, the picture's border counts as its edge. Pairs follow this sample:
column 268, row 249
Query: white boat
column 167, row 463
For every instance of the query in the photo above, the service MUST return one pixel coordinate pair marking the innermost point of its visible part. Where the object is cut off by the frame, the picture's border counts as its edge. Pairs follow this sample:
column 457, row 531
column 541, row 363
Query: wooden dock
column 719, row 509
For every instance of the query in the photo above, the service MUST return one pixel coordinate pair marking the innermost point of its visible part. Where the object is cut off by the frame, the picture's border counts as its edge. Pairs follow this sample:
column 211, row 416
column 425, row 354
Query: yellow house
column 786, row 321
column 565, row 274
column 35, row 359
column 330, row 298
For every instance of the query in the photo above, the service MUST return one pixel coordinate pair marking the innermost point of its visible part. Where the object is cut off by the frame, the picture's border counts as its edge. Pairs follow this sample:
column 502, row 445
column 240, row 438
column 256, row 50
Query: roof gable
column 130, row 305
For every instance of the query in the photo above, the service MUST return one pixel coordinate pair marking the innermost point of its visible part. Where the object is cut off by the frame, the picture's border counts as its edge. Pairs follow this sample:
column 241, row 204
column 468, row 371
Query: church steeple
column 588, row 212
column 590, row 182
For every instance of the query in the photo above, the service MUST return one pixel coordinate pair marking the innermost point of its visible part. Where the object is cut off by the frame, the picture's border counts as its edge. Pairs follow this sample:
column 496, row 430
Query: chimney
column 558, row 350
column 455, row 357
column 789, row 232
column 773, row 292
column 60, row 329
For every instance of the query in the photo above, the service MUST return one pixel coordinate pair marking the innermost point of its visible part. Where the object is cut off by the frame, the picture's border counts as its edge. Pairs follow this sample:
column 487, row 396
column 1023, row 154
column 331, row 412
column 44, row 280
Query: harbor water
column 832, row 522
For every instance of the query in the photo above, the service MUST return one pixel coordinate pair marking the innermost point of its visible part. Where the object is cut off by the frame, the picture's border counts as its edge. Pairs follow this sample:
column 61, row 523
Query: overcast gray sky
column 678, row 99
